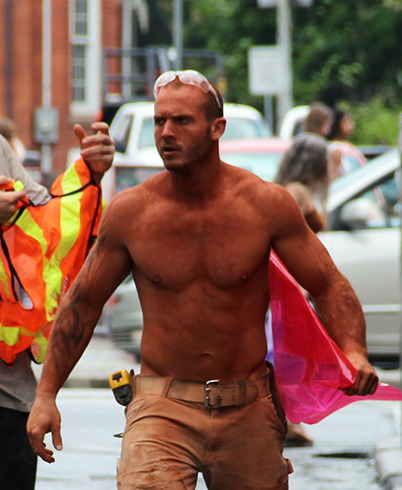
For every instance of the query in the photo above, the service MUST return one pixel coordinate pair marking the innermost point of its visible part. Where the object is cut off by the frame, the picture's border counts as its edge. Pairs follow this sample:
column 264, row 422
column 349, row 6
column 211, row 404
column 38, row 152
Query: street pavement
column 356, row 448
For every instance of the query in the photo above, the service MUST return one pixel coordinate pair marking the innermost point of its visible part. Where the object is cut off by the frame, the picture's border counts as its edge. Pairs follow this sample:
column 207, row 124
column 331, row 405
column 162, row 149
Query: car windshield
column 147, row 133
column 127, row 177
column 241, row 127
column 375, row 183
column 265, row 165
column 360, row 173
column 237, row 127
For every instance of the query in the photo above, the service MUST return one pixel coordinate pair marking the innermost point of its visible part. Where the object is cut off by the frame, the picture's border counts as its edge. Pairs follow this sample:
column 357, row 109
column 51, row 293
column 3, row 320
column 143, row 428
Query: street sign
column 273, row 3
column 266, row 3
column 267, row 71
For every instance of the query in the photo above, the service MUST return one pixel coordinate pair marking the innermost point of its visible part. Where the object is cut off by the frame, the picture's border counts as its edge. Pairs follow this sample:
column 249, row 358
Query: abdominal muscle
column 222, row 337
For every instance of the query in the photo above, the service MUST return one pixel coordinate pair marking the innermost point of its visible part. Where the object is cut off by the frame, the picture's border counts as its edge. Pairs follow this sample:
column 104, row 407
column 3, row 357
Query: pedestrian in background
column 8, row 130
column 318, row 119
column 304, row 172
column 17, row 309
column 341, row 130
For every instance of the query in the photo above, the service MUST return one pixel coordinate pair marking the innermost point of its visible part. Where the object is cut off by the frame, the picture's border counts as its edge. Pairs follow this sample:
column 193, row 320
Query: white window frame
column 92, row 61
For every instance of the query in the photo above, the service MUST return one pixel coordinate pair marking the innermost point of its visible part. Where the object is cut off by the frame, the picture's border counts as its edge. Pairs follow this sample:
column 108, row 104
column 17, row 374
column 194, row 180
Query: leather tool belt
column 213, row 394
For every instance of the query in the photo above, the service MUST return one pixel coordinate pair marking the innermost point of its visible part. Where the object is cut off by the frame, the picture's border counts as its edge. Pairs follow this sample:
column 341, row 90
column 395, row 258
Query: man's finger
column 56, row 438
column 363, row 385
column 12, row 197
column 100, row 126
column 36, row 439
column 79, row 132
column 4, row 180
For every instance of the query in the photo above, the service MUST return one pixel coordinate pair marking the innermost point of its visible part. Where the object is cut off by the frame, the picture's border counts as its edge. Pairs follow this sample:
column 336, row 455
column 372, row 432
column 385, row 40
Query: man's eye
column 158, row 121
column 181, row 120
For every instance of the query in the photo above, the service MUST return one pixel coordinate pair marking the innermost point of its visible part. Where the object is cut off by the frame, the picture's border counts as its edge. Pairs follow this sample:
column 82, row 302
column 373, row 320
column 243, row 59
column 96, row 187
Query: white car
column 364, row 242
column 293, row 121
column 132, row 129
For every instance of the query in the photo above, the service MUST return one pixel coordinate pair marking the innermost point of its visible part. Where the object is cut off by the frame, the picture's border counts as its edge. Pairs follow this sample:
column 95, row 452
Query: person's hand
column 366, row 379
column 96, row 149
column 8, row 200
column 44, row 418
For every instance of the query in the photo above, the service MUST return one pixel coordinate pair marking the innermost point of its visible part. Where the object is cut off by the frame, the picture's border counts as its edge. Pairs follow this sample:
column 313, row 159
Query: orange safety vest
column 42, row 250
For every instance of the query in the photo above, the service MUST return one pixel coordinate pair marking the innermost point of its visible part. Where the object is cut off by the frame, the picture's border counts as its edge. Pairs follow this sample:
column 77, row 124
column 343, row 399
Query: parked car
column 132, row 129
column 262, row 154
column 364, row 242
column 32, row 164
column 292, row 125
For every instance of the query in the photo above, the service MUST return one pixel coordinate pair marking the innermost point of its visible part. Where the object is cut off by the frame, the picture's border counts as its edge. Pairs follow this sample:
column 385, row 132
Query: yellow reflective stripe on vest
column 51, row 242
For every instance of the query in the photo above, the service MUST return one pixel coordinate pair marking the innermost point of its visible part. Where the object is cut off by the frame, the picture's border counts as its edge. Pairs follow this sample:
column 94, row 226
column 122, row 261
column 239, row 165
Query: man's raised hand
column 96, row 149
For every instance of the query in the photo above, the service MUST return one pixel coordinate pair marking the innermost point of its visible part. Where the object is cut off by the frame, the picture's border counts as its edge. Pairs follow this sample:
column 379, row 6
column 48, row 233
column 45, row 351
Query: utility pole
column 284, row 28
column 9, row 68
column 178, row 33
column 400, row 216
column 46, row 76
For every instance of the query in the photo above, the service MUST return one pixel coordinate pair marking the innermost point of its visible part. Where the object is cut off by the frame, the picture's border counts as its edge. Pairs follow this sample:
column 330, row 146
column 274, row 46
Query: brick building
column 51, row 56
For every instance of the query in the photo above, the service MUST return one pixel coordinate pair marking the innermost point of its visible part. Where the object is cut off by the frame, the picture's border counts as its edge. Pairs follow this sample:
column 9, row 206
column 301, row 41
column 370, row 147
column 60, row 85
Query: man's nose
column 168, row 130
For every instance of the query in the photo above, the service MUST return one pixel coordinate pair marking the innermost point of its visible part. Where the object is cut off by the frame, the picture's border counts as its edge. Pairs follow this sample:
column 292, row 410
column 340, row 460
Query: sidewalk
column 100, row 359
column 371, row 433
column 388, row 451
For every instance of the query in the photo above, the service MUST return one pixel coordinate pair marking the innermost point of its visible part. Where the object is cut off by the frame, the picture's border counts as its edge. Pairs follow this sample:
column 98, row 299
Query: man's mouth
column 169, row 150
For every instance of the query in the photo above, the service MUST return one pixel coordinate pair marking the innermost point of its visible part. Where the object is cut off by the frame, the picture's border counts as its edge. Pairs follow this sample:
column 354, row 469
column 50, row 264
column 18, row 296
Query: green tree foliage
column 347, row 50
column 343, row 50
column 231, row 27
column 376, row 124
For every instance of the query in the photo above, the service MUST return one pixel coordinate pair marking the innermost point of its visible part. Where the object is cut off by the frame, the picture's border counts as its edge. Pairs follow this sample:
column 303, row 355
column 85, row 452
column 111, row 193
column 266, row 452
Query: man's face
column 182, row 131
column 346, row 126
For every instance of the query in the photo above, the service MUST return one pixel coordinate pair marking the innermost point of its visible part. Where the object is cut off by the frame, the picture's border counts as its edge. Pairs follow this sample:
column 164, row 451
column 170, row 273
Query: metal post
column 268, row 111
column 178, row 33
column 400, row 216
column 127, row 36
column 46, row 75
column 284, row 23
column 9, row 69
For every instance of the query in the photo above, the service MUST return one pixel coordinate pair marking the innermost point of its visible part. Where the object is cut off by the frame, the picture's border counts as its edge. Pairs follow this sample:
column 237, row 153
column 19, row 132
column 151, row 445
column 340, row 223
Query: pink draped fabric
column 311, row 371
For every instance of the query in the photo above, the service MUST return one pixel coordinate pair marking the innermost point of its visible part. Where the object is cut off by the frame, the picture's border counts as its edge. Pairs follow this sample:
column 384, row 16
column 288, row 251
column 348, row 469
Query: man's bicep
column 301, row 251
column 106, row 267
column 308, row 261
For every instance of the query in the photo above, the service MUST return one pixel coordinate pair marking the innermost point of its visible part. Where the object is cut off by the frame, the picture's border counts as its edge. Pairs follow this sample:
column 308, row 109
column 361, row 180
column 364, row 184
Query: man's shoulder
column 140, row 194
column 252, row 183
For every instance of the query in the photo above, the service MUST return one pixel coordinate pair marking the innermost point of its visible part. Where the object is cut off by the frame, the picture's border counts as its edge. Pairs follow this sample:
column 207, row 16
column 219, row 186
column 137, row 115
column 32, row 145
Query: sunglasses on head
column 187, row 77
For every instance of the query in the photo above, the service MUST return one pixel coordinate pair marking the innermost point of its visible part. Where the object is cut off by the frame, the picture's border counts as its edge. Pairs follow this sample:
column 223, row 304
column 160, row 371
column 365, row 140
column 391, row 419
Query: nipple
column 157, row 280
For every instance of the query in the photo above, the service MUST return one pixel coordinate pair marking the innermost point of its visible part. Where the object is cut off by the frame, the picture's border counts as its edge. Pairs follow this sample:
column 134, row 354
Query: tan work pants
column 168, row 441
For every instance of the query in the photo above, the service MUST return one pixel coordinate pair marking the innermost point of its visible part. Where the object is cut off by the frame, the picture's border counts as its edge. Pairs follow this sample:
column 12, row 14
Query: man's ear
column 218, row 128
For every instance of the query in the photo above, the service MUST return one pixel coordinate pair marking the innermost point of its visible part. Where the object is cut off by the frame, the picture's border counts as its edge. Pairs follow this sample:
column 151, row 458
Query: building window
column 85, row 57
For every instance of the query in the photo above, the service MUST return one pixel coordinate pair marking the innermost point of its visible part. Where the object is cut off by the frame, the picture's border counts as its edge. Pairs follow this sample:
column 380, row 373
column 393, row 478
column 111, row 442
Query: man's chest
column 224, row 248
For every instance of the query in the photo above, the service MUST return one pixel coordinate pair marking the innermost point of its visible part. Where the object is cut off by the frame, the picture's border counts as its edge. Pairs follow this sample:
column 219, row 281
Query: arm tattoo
column 68, row 333
column 69, row 330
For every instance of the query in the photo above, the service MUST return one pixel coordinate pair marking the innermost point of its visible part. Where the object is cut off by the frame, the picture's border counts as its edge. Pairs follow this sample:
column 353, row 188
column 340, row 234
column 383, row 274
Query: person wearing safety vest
column 44, row 240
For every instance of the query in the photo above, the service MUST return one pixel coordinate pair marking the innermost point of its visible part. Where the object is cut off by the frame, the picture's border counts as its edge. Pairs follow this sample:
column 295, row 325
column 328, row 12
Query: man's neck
column 203, row 184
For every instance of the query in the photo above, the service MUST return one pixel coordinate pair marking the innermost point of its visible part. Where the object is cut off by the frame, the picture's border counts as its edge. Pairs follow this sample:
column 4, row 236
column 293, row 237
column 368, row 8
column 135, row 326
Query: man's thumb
column 79, row 132
column 56, row 439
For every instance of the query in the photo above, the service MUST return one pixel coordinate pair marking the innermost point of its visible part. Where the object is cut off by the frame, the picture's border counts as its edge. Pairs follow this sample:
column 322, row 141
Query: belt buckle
column 208, row 387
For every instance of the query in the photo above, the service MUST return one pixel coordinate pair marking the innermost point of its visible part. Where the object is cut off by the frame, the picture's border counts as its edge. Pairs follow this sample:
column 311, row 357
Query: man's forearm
column 71, row 333
column 343, row 318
